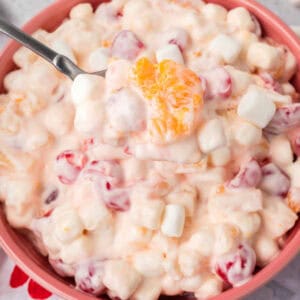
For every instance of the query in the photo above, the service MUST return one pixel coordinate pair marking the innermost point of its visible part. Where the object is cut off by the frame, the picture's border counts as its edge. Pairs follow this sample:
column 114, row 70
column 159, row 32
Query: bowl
column 35, row 265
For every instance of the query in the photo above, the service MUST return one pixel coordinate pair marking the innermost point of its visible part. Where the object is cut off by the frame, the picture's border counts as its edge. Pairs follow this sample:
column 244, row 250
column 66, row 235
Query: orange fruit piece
column 175, row 98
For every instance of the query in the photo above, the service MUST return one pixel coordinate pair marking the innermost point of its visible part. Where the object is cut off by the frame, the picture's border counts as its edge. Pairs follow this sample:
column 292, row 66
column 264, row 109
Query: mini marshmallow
column 266, row 250
column 211, row 136
column 149, row 214
column 148, row 263
column 221, row 156
column 64, row 49
column 98, row 59
column 256, row 107
column 68, row 225
column 277, row 217
column 214, row 12
column 240, row 18
column 149, row 289
column 189, row 261
column 281, row 151
column 290, row 66
column 88, row 117
column 226, row 47
column 83, row 11
column 210, row 288
column 170, row 52
column 203, row 241
column 121, row 278
column 173, row 221
column 227, row 238
column 87, row 87
column 248, row 223
column 240, row 80
column 263, row 56
column 191, row 284
column 294, row 172
column 247, row 134
column 186, row 196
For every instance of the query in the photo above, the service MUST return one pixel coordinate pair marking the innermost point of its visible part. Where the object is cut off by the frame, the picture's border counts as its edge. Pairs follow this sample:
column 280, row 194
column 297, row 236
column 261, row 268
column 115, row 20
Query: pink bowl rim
column 38, row 274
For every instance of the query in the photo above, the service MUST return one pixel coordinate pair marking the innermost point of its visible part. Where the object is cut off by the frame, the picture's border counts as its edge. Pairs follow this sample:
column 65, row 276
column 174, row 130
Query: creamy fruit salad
column 176, row 173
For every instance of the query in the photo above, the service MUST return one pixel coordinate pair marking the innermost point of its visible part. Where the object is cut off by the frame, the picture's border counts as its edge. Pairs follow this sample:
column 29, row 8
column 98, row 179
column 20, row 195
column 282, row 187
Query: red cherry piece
column 17, row 278
column 88, row 143
column 218, row 83
column 249, row 176
column 270, row 83
column 89, row 278
column 69, row 164
column 117, row 200
column 104, row 171
column 274, row 180
column 237, row 267
column 286, row 118
column 37, row 292
column 126, row 45
column 294, row 137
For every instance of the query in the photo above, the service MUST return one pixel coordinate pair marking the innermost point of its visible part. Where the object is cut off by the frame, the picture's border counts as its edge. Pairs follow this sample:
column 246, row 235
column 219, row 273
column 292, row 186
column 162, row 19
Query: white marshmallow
column 281, row 151
column 247, row 200
column 288, row 89
column 148, row 263
column 148, row 214
column 221, row 157
column 170, row 52
column 126, row 111
column 263, row 56
column 64, row 49
column 87, row 87
column 121, row 278
column 173, row 221
column 77, row 250
column 266, row 250
column 211, row 136
column 191, row 284
column 290, row 66
column 88, row 117
column 98, row 59
column 240, row 80
column 82, row 11
column 68, row 225
column 225, row 47
column 203, row 241
column 214, row 12
column 256, row 107
column 210, row 288
column 247, row 134
column 277, row 217
column 294, row 172
column 248, row 223
column 189, row 261
column 240, row 18
column 227, row 238
column 186, row 196
column 149, row 289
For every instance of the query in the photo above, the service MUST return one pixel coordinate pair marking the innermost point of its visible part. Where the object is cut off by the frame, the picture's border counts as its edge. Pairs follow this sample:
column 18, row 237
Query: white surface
column 286, row 286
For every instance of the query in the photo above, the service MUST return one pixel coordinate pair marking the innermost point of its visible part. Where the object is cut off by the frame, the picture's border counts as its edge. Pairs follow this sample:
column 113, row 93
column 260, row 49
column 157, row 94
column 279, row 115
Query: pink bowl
column 22, row 251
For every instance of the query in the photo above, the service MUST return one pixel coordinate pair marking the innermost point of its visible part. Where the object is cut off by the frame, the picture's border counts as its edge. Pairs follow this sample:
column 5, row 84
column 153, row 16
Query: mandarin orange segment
column 175, row 98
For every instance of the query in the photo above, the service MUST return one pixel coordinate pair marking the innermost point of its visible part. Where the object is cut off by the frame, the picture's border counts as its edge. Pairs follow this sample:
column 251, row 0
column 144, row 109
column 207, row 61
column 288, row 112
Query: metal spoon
column 62, row 63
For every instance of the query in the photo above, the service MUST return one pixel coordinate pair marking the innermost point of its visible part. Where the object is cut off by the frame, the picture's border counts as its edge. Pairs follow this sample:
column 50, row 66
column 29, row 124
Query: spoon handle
column 60, row 62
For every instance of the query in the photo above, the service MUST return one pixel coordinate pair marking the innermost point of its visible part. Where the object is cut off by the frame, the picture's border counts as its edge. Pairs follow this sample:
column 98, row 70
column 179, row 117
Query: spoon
column 62, row 63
